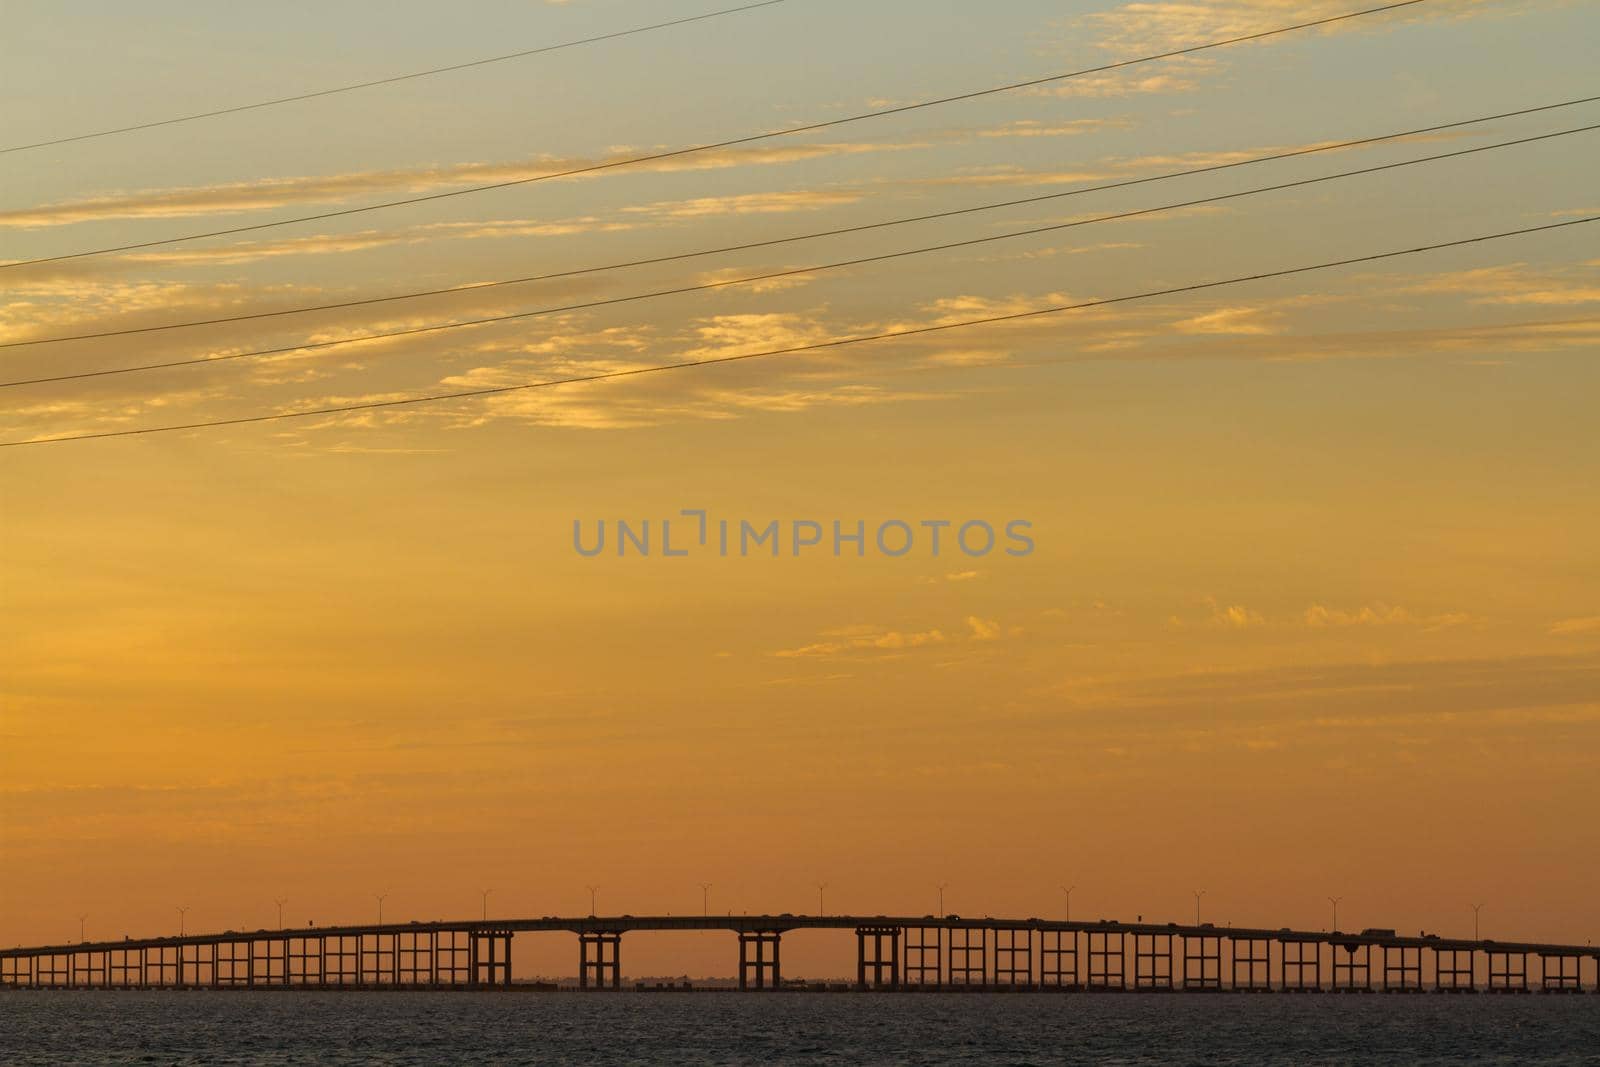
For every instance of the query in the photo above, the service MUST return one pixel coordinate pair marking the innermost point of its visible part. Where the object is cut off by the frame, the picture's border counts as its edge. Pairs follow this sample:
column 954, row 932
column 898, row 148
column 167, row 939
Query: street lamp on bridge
column 181, row 913
column 380, row 897
column 280, row 902
column 1335, row 902
column 705, row 898
column 1067, row 889
column 1475, row 909
column 485, row 894
column 820, row 887
column 593, row 889
column 1198, row 893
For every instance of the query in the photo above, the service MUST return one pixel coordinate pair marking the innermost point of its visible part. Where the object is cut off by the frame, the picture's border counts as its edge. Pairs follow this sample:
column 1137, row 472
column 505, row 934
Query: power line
column 815, row 235
column 792, row 271
column 842, row 342
column 389, row 80
column 717, row 145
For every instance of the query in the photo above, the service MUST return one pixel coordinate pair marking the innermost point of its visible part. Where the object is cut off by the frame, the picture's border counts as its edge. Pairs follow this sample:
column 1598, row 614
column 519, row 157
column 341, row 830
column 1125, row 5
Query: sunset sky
column 1315, row 603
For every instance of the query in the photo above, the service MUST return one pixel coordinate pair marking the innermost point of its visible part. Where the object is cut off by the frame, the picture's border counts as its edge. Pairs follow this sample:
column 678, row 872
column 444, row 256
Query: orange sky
column 1314, row 607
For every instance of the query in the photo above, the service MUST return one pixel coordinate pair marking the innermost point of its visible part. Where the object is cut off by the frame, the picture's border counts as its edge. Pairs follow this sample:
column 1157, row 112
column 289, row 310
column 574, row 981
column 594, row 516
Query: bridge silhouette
column 892, row 953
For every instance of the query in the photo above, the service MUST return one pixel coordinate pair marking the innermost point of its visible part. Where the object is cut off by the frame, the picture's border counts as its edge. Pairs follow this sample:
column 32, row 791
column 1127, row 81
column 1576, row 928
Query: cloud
column 983, row 629
column 730, row 275
column 1588, row 624
column 267, row 193
column 1317, row 616
column 1235, row 616
column 1145, row 27
column 1231, row 320
column 723, row 335
column 331, row 244
column 748, row 204
column 1180, row 74
column 1069, row 128
column 1150, row 26
column 886, row 641
column 1517, row 283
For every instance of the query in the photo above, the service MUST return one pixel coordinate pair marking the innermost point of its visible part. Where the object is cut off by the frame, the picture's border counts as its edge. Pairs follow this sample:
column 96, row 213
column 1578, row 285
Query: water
column 39, row 1028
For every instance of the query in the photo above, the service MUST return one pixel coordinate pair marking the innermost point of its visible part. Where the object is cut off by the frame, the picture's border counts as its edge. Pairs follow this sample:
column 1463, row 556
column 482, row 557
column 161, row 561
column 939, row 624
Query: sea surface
column 710, row 1028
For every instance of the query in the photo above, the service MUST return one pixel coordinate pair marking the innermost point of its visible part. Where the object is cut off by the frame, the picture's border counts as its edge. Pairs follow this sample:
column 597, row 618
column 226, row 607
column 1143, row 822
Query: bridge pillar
column 969, row 957
column 1152, row 961
column 1202, row 962
column 1295, row 959
column 188, row 966
column 1013, row 958
column 924, row 957
column 452, row 958
column 599, row 958
column 875, row 970
column 1561, row 973
column 118, row 969
column 757, row 968
column 1402, row 968
column 230, row 966
column 413, row 959
column 1508, row 972
column 1352, row 974
column 1058, row 959
column 1108, row 968
column 341, row 960
column 1453, row 970
column 1251, row 958
column 491, row 958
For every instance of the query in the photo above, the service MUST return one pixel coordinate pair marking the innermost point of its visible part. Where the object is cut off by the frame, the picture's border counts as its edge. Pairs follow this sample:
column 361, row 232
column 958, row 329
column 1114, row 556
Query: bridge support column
column 1058, row 959
column 231, row 964
column 1508, row 972
column 1202, row 962
column 1013, row 958
column 969, row 957
column 759, row 969
column 1352, row 973
column 1561, row 974
column 924, row 957
column 1402, row 968
column 453, row 958
column 1453, row 970
column 1108, row 968
column 876, row 970
column 599, row 959
column 1296, row 959
column 1152, row 961
column 491, row 958
column 1251, row 958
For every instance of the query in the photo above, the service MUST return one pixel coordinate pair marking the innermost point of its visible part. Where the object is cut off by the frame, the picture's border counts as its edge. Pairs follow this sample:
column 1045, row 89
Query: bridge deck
column 786, row 923
column 892, row 952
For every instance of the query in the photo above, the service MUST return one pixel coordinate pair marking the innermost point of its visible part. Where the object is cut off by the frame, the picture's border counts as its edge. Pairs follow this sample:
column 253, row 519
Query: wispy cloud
column 1518, row 283
column 778, row 203
column 239, row 197
column 886, row 641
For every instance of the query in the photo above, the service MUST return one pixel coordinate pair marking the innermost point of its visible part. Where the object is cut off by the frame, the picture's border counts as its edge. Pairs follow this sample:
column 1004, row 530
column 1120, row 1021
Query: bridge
column 892, row 953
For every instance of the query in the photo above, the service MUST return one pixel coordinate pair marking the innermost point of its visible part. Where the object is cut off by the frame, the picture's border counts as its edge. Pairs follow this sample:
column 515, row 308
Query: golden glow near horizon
column 1313, row 606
